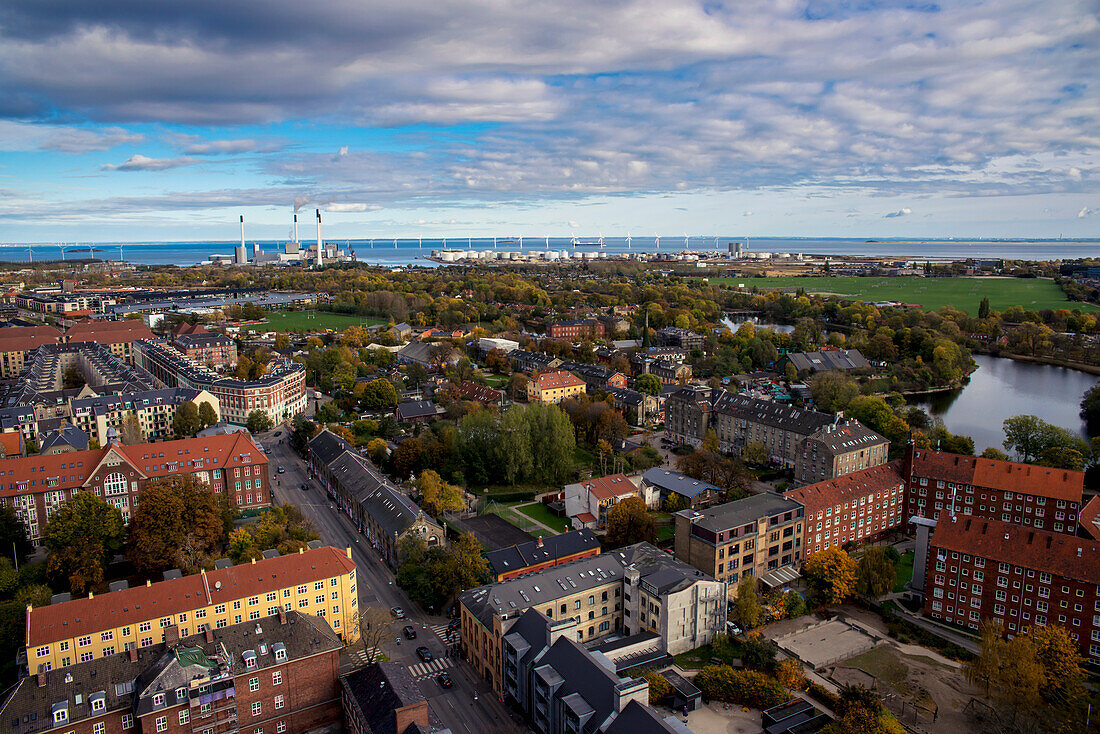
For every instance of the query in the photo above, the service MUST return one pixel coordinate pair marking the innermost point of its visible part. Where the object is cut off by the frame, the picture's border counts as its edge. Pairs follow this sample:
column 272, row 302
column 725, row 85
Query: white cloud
column 1087, row 212
column 903, row 212
column 25, row 136
column 139, row 162
column 225, row 147
column 351, row 207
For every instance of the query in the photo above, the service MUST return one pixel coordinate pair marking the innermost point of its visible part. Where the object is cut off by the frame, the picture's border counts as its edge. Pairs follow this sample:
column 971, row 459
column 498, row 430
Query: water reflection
column 734, row 323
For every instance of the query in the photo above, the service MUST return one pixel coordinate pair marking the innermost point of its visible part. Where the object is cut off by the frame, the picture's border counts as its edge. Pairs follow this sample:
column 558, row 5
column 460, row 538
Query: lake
column 1002, row 388
column 735, row 322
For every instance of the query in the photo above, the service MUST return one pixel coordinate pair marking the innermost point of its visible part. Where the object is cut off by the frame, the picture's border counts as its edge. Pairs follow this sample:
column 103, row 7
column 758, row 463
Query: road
column 469, row 706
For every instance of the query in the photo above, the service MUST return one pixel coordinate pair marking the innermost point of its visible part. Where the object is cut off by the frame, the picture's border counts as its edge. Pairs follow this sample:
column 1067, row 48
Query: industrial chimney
column 241, row 256
column 320, row 245
column 295, row 227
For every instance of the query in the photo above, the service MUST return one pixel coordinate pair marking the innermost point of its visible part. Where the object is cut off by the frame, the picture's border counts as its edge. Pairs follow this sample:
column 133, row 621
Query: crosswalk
column 429, row 669
column 444, row 633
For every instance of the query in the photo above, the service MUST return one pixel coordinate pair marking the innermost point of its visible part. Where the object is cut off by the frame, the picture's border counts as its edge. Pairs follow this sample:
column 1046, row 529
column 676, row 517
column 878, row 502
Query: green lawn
column 904, row 571
column 288, row 321
column 538, row 512
column 932, row 293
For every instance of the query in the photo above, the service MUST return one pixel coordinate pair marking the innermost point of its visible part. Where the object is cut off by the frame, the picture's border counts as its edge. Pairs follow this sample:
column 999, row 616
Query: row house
column 118, row 336
column 36, row 486
column 576, row 329
column 981, row 569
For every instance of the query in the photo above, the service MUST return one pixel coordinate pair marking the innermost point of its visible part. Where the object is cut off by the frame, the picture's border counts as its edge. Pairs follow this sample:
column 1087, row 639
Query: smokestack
column 320, row 246
column 241, row 257
column 295, row 227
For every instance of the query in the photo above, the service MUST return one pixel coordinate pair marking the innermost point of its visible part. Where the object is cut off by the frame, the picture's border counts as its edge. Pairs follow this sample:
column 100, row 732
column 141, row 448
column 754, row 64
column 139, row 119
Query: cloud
column 139, row 162
column 351, row 207
column 903, row 212
column 1087, row 212
column 24, row 136
column 225, row 147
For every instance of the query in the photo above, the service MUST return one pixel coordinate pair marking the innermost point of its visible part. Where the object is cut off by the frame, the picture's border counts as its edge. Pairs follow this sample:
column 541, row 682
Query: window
column 277, row 678
column 256, row 708
column 219, row 609
column 42, row 651
column 319, row 586
column 98, row 727
column 162, row 723
column 278, row 702
column 252, row 601
column 185, row 717
column 253, row 685
column 280, row 727
column 86, row 657
column 84, row 641
column 127, row 721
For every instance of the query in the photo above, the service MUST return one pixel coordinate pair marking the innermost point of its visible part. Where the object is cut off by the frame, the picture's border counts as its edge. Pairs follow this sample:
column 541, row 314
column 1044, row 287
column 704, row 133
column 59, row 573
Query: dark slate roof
column 674, row 481
column 741, row 512
column 583, row 675
column 627, row 396
column 417, row 409
column 393, row 511
column 326, row 446
column 548, row 549
column 840, row 359
column 663, row 571
column 378, row 689
column 66, row 435
column 638, row 719
column 770, row 413
column 847, row 435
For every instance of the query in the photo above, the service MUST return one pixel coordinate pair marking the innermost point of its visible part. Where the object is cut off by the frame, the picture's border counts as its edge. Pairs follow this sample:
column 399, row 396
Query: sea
column 406, row 252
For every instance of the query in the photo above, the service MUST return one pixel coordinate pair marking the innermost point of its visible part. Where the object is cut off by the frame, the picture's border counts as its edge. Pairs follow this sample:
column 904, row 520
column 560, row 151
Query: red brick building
column 276, row 675
column 980, row 569
column 119, row 336
column 480, row 393
column 37, row 485
column 577, row 329
column 1022, row 494
column 860, row 507
column 210, row 348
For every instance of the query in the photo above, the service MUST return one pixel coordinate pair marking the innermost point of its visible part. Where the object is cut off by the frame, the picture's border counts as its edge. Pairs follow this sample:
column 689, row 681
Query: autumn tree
column 659, row 688
column 130, row 432
column 755, row 453
column 629, row 522
column 831, row 573
column 1007, row 670
column 374, row 626
column 379, row 393
column 876, row 572
column 82, row 536
column 207, row 415
column 177, row 523
column 832, row 391
column 377, row 449
column 439, row 496
column 747, row 606
column 186, row 422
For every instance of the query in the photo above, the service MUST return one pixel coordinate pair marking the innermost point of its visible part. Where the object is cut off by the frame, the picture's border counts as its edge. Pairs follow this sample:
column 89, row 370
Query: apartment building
column 981, row 569
column 216, row 351
column 118, row 336
column 64, row 303
column 669, row 599
column 668, row 371
column 318, row 581
column 281, row 392
column 36, row 486
column 384, row 697
column 1023, row 494
column 576, row 329
column 674, row 336
column 17, row 341
column 554, row 386
column 277, row 674
column 758, row 536
column 860, row 507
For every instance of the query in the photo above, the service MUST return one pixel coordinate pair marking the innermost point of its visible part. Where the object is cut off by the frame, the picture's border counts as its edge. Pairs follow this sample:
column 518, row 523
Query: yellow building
column 554, row 386
column 319, row 581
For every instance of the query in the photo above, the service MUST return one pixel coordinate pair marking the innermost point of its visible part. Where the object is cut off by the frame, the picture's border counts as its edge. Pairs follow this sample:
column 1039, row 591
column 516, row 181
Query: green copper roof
column 187, row 656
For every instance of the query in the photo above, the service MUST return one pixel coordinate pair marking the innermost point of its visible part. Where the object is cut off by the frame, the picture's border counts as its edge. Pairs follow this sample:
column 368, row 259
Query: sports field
column 288, row 321
column 1033, row 294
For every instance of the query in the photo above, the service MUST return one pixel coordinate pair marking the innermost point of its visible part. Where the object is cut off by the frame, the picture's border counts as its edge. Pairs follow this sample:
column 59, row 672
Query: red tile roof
column 557, row 378
column 108, row 332
column 87, row 616
column 11, row 443
column 482, row 393
column 1089, row 518
column 1056, row 553
column 613, row 485
column 1008, row 476
column 862, row 483
column 25, row 338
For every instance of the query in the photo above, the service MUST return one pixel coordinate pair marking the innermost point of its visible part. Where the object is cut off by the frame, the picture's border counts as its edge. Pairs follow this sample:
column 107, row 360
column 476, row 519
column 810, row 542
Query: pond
column 736, row 321
column 1002, row 388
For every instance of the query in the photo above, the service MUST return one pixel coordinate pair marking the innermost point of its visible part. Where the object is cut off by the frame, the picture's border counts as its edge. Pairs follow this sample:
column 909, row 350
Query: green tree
column 1025, row 435
column 629, row 522
column 207, row 415
column 242, row 546
column 379, row 393
column 876, row 572
column 994, row 453
column 186, row 422
column 747, row 607
column 1090, row 410
column 81, row 537
column 832, row 391
column 648, row 384
column 177, row 523
column 755, row 454
column 659, row 688
column 552, row 443
column 13, row 535
column 831, row 573
column 377, row 449
column 258, row 421
column 983, row 308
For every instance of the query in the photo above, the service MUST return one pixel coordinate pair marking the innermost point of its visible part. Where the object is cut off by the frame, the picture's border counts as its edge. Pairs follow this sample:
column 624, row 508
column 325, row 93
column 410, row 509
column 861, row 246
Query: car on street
column 424, row 654
column 410, row 632
column 397, row 612
column 278, row 433
column 282, row 470
column 444, row 680
column 305, row 487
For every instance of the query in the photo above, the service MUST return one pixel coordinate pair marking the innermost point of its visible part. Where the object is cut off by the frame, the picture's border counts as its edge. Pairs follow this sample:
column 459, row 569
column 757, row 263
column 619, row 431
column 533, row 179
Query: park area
column 290, row 321
column 1033, row 294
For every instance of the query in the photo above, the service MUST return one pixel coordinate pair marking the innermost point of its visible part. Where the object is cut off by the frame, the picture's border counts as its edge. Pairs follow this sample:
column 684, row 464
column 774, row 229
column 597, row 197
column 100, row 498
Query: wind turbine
column 658, row 238
column 687, row 245
column 628, row 240
column 521, row 242
column 61, row 246
column 420, row 242
column 372, row 243
column 494, row 243
column 547, row 242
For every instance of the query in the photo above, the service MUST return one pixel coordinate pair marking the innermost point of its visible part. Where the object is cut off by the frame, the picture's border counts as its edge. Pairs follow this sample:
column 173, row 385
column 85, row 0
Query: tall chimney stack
column 295, row 227
column 320, row 245
column 241, row 257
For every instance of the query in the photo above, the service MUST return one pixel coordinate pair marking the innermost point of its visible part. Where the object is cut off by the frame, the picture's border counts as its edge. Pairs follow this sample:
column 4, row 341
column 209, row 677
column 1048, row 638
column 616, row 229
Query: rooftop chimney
column 209, row 633
column 320, row 245
column 540, row 541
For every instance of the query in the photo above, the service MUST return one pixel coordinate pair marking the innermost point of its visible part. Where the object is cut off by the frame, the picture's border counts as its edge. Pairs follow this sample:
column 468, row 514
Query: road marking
column 431, row 668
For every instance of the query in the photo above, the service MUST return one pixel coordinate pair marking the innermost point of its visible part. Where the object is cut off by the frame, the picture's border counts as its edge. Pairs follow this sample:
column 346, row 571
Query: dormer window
column 98, row 701
column 60, row 713
column 158, row 699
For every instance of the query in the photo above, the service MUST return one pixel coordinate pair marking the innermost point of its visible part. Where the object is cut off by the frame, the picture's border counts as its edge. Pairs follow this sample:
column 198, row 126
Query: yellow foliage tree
column 437, row 495
column 831, row 573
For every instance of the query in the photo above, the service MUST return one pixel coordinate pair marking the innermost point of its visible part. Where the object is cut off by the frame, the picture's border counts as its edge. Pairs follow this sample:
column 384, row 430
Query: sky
column 134, row 120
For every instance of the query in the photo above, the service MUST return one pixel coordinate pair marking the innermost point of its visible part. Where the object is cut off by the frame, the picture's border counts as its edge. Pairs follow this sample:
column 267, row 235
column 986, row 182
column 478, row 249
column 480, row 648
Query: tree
column 831, row 573
column 517, row 386
column 374, row 627
column 659, row 688
column 1090, row 410
column 379, row 393
column 747, row 606
column 130, row 432
column 552, row 443
column 1033, row 439
column 82, row 536
column 377, row 449
column 242, row 546
column 629, row 522
column 1024, row 435
column 1007, row 670
column 755, row 453
column 790, row 674
column 282, row 341
column 187, row 422
column 994, row 453
column 207, row 415
column 983, row 308
column 258, row 421
column 832, row 391
column 648, row 384
column 1058, row 655
column 439, row 496
column 177, row 523
column 13, row 535
column 876, row 572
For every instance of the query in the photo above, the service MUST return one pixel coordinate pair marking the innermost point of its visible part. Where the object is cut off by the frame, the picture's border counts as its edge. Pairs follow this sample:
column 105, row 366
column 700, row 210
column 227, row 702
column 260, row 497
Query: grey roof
column 204, row 340
column 326, row 446
column 417, row 409
column 588, row 684
column 840, row 359
column 741, row 512
column 66, row 435
column 770, row 413
column 627, row 396
column 392, row 510
column 419, row 352
column 219, row 429
column 540, row 551
column 378, row 690
column 673, row 481
column 638, row 719
column 666, row 573
column 845, row 436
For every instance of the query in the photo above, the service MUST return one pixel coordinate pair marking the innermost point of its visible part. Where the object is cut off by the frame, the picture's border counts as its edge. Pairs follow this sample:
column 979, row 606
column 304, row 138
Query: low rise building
column 981, row 569
column 554, row 386
column 318, row 581
column 860, row 507
column 384, row 698
column 279, row 673
column 637, row 407
column 576, row 329
column 758, row 536
column 587, row 502
column 831, row 360
column 672, row 484
column 674, row 336
column 541, row 553
column 480, row 393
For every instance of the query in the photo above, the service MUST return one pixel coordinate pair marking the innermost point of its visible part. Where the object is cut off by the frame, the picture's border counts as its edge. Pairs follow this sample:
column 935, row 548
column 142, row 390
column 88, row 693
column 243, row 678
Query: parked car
column 397, row 612
column 424, row 654
column 444, row 680
column 410, row 632
column 282, row 470
column 305, row 487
